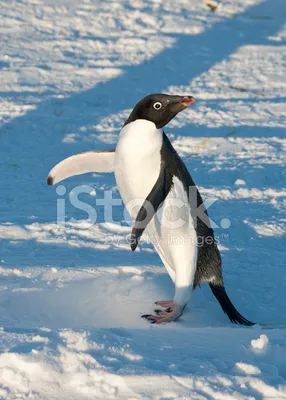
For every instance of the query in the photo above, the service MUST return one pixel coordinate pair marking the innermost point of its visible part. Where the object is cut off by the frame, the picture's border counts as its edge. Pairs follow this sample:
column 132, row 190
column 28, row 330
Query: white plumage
column 137, row 162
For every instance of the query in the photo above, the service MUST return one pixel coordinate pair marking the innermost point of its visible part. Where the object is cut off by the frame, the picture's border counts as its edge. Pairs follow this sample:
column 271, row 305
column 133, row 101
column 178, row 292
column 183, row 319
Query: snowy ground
column 71, row 299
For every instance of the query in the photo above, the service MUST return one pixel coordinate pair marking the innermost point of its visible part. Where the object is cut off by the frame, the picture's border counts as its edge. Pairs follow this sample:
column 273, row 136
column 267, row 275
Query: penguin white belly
column 176, row 241
column 137, row 167
column 137, row 162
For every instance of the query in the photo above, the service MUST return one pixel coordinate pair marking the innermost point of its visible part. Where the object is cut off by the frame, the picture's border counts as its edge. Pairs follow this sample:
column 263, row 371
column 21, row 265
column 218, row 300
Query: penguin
column 160, row 194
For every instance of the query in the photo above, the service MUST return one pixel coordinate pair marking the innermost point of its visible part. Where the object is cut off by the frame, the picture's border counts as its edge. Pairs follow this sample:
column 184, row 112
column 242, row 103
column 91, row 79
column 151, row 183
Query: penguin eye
column 157, row 105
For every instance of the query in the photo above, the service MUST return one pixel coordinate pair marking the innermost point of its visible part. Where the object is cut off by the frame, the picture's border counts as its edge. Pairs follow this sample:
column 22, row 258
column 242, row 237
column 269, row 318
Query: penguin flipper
column 90, row 161
column 150, row 206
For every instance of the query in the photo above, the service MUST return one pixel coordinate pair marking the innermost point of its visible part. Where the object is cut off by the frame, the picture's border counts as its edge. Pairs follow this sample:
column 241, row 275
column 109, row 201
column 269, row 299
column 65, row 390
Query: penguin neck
column 142, row 125
column 141, row 134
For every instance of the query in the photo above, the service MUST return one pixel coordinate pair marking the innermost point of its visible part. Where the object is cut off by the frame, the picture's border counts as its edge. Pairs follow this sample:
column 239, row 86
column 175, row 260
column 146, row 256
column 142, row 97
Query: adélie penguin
column 152, row 178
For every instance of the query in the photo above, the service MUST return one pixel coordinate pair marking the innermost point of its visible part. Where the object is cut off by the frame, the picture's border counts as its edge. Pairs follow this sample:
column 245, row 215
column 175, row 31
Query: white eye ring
column 157, row 105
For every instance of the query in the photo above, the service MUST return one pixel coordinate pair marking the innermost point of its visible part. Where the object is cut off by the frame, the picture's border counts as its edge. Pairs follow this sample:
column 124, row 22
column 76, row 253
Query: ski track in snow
column 71, row 296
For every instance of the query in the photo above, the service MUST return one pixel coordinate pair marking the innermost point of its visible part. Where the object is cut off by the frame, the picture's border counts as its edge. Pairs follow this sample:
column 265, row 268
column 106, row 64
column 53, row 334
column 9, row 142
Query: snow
column 72, row 295
column 260, row 343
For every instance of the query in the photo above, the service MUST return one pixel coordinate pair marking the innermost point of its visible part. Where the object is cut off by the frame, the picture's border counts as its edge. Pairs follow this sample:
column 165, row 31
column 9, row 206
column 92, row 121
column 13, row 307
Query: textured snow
column 72, row 296
column 260, row 343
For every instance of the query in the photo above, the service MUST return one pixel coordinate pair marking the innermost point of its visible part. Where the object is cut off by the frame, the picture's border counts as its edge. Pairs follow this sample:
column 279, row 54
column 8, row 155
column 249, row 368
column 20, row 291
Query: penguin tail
column 227, row 306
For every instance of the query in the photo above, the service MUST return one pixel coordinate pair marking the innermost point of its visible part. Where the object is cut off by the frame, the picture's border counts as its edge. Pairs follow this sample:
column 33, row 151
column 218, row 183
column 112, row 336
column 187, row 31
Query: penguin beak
column 186, row 101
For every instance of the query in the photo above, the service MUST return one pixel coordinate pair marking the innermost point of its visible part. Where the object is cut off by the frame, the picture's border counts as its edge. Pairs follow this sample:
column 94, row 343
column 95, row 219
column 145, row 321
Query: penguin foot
column 171, row 313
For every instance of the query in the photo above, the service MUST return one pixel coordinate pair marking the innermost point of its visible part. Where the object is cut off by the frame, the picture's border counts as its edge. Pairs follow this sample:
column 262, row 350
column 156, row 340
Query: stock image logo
column 172, row 215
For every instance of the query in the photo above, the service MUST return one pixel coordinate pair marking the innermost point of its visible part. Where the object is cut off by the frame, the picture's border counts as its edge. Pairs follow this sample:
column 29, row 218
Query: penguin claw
column 160, row 312
column 146, row 316
column 149, row 317
column 171, row 313
column 162, row 317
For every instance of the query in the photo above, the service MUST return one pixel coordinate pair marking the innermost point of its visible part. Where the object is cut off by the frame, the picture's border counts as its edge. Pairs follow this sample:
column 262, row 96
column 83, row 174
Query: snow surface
column 71, row 297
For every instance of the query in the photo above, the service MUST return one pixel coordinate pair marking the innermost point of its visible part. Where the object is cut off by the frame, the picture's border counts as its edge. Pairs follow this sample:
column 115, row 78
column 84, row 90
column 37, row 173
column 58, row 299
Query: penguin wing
column 90, row 161
column 150, row 206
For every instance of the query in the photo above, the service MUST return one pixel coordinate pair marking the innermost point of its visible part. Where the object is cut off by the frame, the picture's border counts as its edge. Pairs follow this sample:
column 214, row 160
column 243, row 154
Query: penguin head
column 159, row 108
